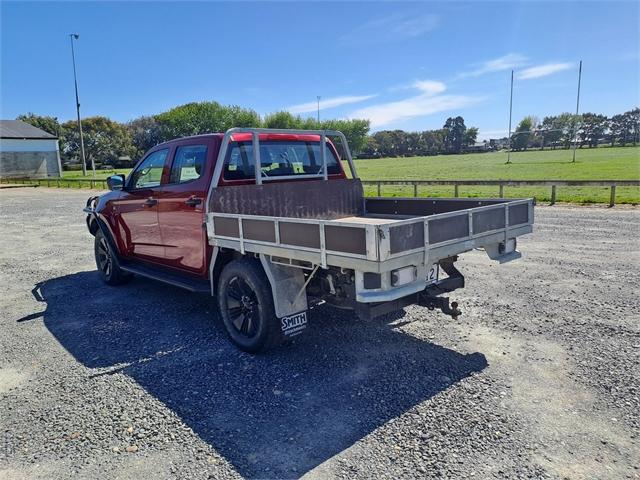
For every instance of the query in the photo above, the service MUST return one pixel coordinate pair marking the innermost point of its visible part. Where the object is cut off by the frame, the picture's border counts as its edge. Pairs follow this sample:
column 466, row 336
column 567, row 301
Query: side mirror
column 115, row 182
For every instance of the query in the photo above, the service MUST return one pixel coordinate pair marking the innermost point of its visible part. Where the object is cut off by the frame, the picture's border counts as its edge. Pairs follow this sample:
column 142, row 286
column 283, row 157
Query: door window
column 149, row 172
column 188, row 163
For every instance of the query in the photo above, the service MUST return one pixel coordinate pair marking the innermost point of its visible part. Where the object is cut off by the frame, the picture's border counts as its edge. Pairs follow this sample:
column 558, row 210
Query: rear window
column 278, row 158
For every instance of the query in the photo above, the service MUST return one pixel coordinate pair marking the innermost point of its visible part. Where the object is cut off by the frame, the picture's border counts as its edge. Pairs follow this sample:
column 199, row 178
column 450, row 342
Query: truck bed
column 389, row 232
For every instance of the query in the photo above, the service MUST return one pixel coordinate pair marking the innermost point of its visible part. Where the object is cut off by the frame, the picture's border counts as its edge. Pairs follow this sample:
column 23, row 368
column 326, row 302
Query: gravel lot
column 538, row 379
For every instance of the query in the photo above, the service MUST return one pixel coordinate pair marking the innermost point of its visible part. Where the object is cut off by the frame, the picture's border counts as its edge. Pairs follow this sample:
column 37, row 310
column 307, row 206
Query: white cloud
column 506, row 62
column 430, row 87
column 426, row 103
column 390, row 28
column 328, row 103
column 543, row 70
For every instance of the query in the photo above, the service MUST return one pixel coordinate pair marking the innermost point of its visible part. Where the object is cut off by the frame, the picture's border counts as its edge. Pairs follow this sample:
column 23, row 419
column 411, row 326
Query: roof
column 247, row 136
column 19, row 129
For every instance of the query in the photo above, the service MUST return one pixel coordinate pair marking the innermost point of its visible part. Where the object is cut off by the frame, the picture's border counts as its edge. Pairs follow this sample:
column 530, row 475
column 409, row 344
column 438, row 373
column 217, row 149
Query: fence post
column 379, row 188
column 553, row 195
column 612, row 200
column 501, row 190
column 455, row 190
column 415, row 189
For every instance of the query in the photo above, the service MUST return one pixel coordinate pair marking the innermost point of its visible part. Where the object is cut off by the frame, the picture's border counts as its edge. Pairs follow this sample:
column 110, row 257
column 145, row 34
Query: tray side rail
column 444, row 234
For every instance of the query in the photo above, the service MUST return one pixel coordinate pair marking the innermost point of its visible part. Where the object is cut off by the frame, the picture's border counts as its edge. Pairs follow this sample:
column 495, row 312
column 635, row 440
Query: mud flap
column 287, row 287
column 293, row 325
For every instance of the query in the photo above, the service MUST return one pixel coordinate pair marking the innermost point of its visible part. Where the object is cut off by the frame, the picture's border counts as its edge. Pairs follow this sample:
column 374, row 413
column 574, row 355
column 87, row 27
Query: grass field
column 591, row 164
column 616, row 163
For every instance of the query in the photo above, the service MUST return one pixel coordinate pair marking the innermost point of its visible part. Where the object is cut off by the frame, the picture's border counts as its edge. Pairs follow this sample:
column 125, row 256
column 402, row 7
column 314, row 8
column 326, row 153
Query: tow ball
column 441, row 303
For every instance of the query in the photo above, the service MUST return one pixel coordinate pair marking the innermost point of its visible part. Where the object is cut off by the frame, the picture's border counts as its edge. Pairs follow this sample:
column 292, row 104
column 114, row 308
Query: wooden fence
column 101, row 183
column 501, row 184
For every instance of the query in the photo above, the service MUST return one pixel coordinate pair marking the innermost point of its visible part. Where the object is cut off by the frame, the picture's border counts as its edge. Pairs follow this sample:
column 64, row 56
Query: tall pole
column 575, row 130
column 75, row 82
column 318, row 99
column 510, row 112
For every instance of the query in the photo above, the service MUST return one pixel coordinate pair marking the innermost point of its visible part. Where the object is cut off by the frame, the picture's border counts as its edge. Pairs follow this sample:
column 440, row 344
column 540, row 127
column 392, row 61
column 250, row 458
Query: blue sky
column 402, row 65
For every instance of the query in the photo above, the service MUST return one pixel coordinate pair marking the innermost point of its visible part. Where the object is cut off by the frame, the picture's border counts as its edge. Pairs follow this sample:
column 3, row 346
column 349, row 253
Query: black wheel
column 246, row 306
column 109, row 270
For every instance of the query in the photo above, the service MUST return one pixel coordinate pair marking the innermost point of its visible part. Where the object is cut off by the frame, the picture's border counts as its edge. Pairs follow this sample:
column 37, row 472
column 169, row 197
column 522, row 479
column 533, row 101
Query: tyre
column 109, row 270
column 246, row 306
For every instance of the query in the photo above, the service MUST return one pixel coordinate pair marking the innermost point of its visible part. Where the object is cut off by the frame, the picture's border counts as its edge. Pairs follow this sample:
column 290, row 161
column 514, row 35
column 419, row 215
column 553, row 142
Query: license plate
column 432, row 276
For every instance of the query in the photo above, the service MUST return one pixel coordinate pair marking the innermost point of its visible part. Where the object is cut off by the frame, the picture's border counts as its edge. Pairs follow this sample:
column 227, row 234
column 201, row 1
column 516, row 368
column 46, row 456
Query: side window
column 149, row 172
column 239, row 162
column 188, row 163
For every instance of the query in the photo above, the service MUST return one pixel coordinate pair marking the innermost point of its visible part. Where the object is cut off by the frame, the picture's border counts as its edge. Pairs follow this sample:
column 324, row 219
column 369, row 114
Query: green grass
column 604, row 163
column 616, row 163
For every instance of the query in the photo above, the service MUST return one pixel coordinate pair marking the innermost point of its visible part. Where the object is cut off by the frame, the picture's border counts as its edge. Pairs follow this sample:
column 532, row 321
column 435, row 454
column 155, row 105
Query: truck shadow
column 275, row 415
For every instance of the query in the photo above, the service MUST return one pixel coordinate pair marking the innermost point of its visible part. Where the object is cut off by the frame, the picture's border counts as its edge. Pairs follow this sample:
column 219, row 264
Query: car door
column 181, row 206
column 137, row 208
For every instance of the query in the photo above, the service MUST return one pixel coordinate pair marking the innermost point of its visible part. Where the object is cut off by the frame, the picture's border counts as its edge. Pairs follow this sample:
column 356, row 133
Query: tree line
column 453, row 137
column 588, row 129
column 559, row 131
column 108, row 142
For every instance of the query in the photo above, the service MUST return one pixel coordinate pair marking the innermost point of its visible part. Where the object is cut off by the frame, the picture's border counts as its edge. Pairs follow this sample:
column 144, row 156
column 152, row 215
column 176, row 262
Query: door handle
column 193, row 201
column 150, row 202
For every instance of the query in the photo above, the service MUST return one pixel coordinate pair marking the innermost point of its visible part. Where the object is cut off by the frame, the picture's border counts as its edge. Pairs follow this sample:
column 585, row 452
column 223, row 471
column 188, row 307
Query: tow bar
column 441, row 303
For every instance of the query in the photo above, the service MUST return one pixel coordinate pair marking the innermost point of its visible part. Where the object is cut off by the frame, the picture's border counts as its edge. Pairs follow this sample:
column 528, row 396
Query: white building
column 27, row 151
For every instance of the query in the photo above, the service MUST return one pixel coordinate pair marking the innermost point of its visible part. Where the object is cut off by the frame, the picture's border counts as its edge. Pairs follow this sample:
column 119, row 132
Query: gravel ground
column 538, row 379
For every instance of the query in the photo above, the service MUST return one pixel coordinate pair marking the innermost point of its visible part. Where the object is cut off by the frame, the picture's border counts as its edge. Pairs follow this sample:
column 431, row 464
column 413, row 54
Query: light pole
column 318, row 99
column 575, row 120
column 73, row 36
column 510, row 113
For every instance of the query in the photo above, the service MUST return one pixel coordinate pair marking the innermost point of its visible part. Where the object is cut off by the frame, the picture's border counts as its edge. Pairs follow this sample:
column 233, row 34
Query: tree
column 625, row 127
column 282, row 119
column 567, row 124
column 592, row 129
column 618, row 130
column 370, row 148
column 205, row 117
column 104, row 140
column 46, row 123
column 455, row 137
column 145, row 133
column 520, row 139
column 550, row 131
column 634, row 123
column 470, row 136
column 355, row 131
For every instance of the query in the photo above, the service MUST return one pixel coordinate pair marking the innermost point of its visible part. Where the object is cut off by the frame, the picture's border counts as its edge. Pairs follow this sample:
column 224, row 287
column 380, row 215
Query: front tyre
column 108, row 268
column 246, row 306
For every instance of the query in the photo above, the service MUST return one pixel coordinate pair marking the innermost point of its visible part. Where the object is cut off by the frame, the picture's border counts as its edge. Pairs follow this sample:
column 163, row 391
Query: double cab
column 272, row 223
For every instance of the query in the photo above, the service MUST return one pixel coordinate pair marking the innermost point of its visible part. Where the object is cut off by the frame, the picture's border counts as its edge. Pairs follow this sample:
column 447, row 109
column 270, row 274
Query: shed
column 27, row 151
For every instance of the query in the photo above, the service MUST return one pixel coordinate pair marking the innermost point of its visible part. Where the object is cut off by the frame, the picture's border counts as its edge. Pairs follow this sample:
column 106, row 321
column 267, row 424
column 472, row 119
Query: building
column 499, row 143
column 27, row 151
column 478, row 147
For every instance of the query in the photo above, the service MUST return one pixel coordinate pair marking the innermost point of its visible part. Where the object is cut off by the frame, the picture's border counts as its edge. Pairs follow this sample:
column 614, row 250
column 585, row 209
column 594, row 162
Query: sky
column 406, row 65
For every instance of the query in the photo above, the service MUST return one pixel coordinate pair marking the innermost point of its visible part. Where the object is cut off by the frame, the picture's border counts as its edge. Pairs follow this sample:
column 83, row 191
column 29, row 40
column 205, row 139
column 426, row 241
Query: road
column 537, row 379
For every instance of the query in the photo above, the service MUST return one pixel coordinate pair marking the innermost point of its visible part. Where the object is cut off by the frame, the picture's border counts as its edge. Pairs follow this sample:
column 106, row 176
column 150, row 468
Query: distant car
column 269, row 223
column 107, row 167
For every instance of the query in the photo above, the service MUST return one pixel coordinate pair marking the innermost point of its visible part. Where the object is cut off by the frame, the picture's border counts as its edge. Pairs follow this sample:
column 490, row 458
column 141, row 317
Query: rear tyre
column 108, row 268
column 246, row 306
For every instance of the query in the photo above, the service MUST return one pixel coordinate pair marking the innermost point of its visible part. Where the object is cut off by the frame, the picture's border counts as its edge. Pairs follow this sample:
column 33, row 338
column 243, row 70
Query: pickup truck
column 269, row 223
